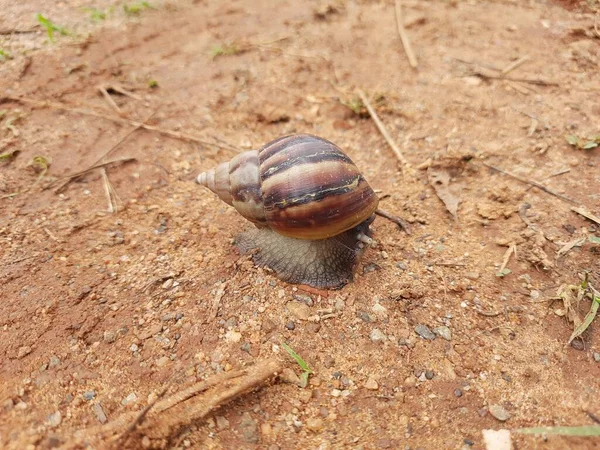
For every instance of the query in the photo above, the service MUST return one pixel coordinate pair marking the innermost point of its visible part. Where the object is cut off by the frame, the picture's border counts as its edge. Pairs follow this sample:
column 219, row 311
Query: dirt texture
column 101, row 310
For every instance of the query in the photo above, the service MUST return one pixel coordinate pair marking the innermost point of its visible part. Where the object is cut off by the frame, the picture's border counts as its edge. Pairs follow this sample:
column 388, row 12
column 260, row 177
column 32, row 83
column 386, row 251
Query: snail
column 310, row 204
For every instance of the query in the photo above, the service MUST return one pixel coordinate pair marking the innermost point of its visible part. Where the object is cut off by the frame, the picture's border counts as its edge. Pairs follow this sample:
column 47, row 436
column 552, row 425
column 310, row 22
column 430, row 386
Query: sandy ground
column 100, row 310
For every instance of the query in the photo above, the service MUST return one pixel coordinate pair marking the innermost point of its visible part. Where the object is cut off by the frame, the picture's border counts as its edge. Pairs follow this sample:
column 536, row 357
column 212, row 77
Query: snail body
column 310, row 204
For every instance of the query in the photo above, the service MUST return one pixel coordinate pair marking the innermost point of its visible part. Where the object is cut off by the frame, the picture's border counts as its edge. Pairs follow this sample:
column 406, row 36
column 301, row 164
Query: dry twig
column 412, row 59
column 397, row 220
column 121, row 120
column 382, row 129
column 512, row 66
column 512, row 248
column 582, row 210
column 531, row 183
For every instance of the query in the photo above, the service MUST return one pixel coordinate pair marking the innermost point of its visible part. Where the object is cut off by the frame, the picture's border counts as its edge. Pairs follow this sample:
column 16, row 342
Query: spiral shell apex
column 300, row 186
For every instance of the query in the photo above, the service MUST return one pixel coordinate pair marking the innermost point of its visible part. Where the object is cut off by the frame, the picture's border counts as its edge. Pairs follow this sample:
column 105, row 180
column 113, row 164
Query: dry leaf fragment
column 440, row 180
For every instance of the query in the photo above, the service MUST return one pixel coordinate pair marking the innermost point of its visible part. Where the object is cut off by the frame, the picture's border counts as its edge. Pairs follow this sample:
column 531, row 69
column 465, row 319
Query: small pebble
column 23, row 351
column 89, row 395
column 54, row 419
column 402, row 266
column 458, row 393
column 472, row 275
column 365, row 317
column 130, row 399
column 307, row 299
column 577, row 344
column 99, row 412
column 534, row 294
column 162, row 361
column 110, row 336
column 371, row 384
column 249, row 428
column 377, row 336
column 233, row 336
column 429, row 374
column 499, row 413
column 380, row 310
column 54, row 361
column 134, row 348
column 424, row 332
column 222, row 423
column 8, row 404
column 300, row 311
column 371, row 267
column 443, row 332
column 314, row 424
column 290, row 325
column 596, row 356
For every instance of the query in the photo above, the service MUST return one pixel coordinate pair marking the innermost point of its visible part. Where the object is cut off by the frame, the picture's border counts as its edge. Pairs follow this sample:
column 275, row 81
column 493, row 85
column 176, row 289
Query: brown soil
column 113, row 304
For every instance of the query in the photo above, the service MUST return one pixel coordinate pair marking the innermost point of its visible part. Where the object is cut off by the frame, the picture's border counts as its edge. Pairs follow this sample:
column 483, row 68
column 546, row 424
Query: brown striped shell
column 300, row 186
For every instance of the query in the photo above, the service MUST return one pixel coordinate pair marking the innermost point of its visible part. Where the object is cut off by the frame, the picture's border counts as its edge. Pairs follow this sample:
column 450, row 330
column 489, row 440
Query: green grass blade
column 297, row 358
column 587, row 320
column 586, row 430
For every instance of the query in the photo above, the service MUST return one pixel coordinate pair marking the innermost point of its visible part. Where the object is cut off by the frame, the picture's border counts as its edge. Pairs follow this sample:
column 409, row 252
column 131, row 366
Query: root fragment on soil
column 382, row 129
column 412, row 59
column 166, row 416
column 397, row 220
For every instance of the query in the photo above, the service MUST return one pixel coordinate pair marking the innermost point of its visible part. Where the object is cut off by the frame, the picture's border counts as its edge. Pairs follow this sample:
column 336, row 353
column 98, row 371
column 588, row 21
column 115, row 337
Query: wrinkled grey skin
column 327, row 263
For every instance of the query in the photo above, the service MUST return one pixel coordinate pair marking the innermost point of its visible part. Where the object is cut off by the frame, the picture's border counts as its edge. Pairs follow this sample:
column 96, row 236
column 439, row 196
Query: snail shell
column 301, row 187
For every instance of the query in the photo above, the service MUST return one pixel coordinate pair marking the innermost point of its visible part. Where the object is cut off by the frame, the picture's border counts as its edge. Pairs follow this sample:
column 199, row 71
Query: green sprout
column 306, row 370
column 51, row 27
column 136, row 8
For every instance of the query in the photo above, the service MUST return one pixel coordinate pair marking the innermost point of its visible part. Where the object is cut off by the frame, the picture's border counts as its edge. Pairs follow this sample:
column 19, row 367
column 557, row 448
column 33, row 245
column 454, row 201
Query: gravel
column 89, row 395
column 443, row 332
column 130, row 399
column 99, row 413
column 299, row 310
column 55, row 419
column 377, row 336
column 424, row 332
column 499, row 413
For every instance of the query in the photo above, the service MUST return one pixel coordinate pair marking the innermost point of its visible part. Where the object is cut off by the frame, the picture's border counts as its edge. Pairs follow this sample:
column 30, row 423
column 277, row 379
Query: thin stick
column 412, row 59
column 512, row 248
column 382, row 129
column 109, row 99
column 585, row 213
column 537, row 81
column 397, row 220
column 8, row 32
column 98, row 163
column 112, row 206
column 96, row 166
column 514, row 65
column 532, row 183
column 552, row 175
column 121, row 120
column 197, row 408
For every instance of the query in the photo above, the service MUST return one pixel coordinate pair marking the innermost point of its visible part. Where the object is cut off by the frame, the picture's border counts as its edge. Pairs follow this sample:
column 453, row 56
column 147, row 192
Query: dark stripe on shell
column 308, row 156
column 353, row 206
column 288, row 142
column 313, row 193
